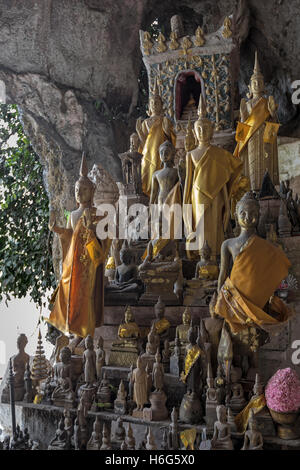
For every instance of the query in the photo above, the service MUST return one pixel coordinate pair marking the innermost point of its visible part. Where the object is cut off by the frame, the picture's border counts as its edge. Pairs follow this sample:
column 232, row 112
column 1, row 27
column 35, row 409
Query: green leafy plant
column 25, row 241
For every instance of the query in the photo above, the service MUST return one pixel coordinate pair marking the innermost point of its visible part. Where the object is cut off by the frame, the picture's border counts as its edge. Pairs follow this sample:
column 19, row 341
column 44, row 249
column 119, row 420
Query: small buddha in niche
column 126, row 275
column 128, row 342
column 237, row 400
column 206, row 269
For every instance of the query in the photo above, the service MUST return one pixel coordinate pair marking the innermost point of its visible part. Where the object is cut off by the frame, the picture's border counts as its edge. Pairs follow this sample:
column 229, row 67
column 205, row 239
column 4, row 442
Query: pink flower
column 283, row 391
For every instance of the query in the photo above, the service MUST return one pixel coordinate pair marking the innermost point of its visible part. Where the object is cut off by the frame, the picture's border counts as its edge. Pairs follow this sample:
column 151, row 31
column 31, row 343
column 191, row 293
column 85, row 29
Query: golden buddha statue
column 257, row 133
column 152, row 133
column 206, row 269
column 125, row 350
column 190, row 109
column 129, row 329
column 210, row 174
column 246, row 294
column 78, row 299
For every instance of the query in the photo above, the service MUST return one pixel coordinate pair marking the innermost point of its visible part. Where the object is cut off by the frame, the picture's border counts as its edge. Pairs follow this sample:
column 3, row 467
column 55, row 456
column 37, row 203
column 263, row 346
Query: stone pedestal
column 198, row 292
column 158, row 408
column 123, row 357
column 159, row 280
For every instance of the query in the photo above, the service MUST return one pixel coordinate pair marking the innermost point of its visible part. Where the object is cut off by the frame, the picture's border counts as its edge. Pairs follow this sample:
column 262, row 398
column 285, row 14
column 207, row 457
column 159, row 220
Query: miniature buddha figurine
column 120, row 404
column 158, row 373
column 183, row 329
column 222, row 435
column 96, row 438
column 100, row 357
column 89, row 362
column 131, row 167
column 104, row 391
column 68, row 423
column 161, row 324
column 191, row 409
column 130, row 440
column 150, row 441
column 125, row 350
column 166, row 354
column 253, row 439
column 257, row 133
column 77, row 303
column 237, row 401
column 129, row 329
column 152, row 133
column 211, row 402
column 219, row 384
column 190, row 109
column 126, row 275
column 106, row 445
column 120, row 433
column 63, row 394
column 173, row 431
column 28, row 397
column 206, row 269
column 140, row 389
column 177, row 358
column 19, row 362
column 256, row 404
column 210, row 174
column 61, row 439
column 246, row 293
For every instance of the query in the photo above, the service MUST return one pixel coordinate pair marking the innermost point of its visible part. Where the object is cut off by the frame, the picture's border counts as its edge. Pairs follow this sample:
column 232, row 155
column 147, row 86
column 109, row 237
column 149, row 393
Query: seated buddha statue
column 190, row 109
column 125, row 350
column 237, row 400
column 222, row 434
column 153, row 344
column 206, row 269
column 246, row 292
column 61, row 440
column 63, row 394
column 126, row 286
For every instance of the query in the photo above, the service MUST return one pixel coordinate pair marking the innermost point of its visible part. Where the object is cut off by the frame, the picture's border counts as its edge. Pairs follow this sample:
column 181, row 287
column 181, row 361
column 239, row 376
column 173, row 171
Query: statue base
column 159, row 279
column 123, row 357
column 158, row 408
column 151, row 298
column 63, row 403
column 121, row 298
column 137, row 413
column 120, row 407
column 198, row 292
column 190, row 411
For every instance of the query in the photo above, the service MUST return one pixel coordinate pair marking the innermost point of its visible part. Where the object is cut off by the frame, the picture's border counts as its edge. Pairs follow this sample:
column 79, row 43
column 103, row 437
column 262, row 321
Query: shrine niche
column 187, row 66
column 188, row 87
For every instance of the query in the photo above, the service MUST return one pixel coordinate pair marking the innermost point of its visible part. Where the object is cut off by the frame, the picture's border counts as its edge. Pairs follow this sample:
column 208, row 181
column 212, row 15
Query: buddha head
column 167, row 153
column 159, row 309
column 22, row 342
column 89, row 342
column 155, row 102
column 247, row 211
column 186, row 316
column 257, row 84
column 125, row 253
column 129, row 318
column 65, row 355
column 84, row 187
column 134, row 142
column 205, row 251
column 203, row 127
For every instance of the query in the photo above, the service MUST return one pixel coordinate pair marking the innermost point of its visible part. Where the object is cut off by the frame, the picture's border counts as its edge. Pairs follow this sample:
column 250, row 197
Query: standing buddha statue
column 78, row 300
column 210, row 174
column 152, row 132
column 257, row 133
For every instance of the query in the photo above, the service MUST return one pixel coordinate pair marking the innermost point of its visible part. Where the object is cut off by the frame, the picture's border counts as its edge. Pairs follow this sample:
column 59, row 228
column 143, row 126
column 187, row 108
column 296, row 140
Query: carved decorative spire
column 83, row 166
column 256, row 71
column 202, row 108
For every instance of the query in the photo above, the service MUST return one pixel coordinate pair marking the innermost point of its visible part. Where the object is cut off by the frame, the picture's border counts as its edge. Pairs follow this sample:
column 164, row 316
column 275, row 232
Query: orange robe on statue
column 79, row 297
column 256, row 273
